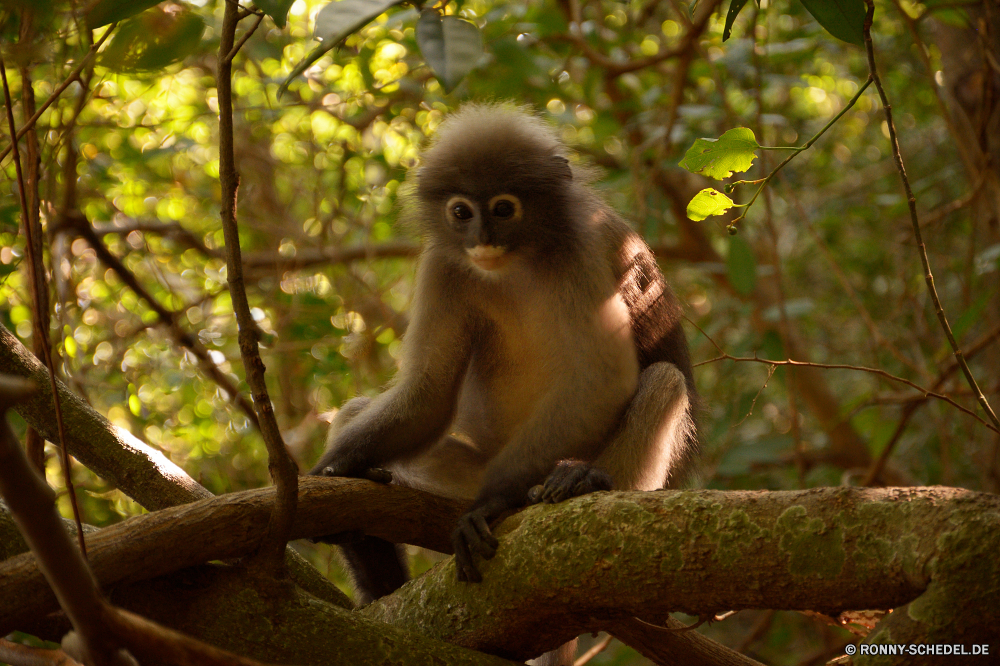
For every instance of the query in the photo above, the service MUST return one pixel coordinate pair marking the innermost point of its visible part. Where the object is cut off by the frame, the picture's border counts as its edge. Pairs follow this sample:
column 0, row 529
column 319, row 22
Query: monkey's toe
column 572, row 478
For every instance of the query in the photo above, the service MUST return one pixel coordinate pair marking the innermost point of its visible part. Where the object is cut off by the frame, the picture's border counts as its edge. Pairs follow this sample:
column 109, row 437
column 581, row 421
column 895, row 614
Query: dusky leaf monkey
column 544, row 346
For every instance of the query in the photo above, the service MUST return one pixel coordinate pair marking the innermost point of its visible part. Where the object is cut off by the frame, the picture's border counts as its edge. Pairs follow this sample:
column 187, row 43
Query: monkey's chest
column 539, row 361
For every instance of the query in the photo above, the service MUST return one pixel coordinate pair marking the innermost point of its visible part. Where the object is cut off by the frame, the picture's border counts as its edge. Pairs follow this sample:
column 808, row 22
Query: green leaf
column 451, row 46
column 741, row 266
column 707, row 203
column 844, row 19
column 735, row 7
column 335, row 23
column 154, row 39
column 276, row 9
column 104, row 12
column 719, row 158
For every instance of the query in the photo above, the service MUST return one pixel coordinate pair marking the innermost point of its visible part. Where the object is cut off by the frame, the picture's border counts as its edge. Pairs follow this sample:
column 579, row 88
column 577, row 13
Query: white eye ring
column 511, row 212
column 460, row 209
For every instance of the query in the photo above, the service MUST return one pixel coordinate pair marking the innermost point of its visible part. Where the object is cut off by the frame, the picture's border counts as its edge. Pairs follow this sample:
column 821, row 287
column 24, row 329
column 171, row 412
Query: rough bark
column 590, row 563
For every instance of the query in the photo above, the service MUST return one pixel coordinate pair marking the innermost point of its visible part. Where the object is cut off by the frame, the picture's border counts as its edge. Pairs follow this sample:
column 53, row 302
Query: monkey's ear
column 562, row 167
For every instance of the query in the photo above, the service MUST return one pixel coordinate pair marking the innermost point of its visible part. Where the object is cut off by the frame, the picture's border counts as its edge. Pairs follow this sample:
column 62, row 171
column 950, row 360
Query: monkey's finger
column 466, row 570
column 378, row 475
column 535, row 494
column 482, row 542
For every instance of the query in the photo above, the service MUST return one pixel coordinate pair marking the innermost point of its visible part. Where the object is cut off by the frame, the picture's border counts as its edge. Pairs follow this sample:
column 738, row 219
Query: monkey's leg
column 376, row 566
column 652, row 442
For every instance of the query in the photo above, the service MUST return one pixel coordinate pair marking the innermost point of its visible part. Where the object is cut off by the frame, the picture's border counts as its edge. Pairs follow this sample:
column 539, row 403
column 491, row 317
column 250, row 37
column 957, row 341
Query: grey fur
column 541, row 331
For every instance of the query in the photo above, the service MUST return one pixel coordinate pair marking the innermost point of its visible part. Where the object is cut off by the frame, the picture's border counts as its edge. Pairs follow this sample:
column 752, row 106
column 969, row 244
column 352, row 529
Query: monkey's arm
column 654, row 440
column 417, row 409
column 572, row 421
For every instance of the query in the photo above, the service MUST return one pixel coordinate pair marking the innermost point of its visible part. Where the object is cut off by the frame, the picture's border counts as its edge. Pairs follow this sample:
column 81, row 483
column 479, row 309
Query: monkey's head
column 495, row 185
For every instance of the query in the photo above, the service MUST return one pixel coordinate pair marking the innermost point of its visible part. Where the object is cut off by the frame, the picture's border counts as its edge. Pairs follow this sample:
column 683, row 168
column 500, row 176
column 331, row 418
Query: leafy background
column 323, row 154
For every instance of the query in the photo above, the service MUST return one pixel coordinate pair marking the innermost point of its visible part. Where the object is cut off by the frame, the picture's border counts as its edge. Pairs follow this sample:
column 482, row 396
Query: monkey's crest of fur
column 495, row 146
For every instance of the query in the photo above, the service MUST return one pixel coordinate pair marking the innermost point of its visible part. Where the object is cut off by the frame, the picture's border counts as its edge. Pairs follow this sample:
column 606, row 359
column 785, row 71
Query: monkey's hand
column 376, row 474
column 570, row 478
column 473, row 537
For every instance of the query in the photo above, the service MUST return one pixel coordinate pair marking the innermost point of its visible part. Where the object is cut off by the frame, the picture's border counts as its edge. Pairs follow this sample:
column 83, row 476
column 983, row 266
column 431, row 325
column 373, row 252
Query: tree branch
column 284, row 472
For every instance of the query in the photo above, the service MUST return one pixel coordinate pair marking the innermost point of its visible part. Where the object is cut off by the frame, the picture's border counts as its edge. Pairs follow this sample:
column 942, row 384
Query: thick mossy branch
column 228, row 527
column 567, row 569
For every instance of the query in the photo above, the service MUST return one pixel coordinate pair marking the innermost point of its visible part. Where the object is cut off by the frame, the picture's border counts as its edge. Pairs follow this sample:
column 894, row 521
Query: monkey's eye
column 505, row 207
column 459, row 209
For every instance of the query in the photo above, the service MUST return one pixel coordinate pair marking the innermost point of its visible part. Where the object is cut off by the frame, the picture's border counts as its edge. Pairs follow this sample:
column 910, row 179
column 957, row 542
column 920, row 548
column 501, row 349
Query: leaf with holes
column 336, row 22
column 844, row 19
column 707, row 203
column 719, row 158
column 450, row 46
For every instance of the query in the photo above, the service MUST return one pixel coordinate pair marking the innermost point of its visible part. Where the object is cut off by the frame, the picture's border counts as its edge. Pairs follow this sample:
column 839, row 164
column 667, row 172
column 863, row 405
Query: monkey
column 544, row 358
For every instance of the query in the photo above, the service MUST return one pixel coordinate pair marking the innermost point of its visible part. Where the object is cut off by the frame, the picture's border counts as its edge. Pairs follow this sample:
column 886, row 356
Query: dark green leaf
column 276, row 9
column 735, row 7
column 844, row 19
column 153, row 40
column 707, row 203
column 104, row 12
column 719, row 158
column 334, row 23
column 450, row 46
column 741, row 266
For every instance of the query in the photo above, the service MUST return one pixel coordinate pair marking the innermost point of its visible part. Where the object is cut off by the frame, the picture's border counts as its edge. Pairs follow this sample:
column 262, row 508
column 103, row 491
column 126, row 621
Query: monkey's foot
column 570, row 478
column 472, row 537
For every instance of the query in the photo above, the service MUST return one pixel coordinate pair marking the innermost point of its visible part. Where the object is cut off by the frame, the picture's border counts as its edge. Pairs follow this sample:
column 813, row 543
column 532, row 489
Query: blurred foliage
column 330, row 275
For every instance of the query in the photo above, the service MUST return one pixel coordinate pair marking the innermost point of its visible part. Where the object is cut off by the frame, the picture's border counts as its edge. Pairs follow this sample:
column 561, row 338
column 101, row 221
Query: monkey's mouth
column 488, row 257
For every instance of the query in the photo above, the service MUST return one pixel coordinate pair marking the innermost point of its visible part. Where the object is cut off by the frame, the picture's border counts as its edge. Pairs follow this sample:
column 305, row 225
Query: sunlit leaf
column 334, row 23
column 741, row 268
column 104, row 12
column 707, row 203
column 844, row 19
column 276, row 9
column 719, row 158
column 451, row 46
column 735, row 7
column 154, row 39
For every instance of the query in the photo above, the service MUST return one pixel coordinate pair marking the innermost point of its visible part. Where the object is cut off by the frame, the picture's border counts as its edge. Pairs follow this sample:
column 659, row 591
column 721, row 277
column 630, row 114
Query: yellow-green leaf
column 719, row 158
column 707, row 203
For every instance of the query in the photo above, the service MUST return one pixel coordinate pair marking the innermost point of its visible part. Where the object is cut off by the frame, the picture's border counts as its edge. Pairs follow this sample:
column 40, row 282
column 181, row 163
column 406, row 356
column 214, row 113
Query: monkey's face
column 495, row 189
column 490, row 228
column 497, row 209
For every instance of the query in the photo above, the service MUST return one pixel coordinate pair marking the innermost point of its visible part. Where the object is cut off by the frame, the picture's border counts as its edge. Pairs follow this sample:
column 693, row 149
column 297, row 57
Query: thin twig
column 798, row 149
column 244, row 38
column 36, row 288
column 595, row 649
column 912, row 203
column 284, row 472
column 59, row 90
column 80, row 225
column 859, row 368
